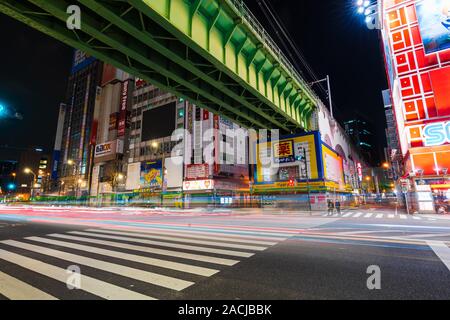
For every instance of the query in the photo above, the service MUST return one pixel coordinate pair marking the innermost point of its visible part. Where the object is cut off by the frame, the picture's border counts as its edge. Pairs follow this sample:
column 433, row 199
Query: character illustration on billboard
column 434, row 22
column 151, row 174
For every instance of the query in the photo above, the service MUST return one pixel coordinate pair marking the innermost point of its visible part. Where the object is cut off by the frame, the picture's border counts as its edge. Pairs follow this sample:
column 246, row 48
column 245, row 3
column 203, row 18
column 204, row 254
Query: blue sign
column 437, row 134
column 434, row 22
column 56, row 159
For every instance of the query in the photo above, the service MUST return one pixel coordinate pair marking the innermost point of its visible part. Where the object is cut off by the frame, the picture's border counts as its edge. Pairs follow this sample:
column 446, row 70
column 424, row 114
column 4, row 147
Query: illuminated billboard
column 434, row 23
column 151, row 174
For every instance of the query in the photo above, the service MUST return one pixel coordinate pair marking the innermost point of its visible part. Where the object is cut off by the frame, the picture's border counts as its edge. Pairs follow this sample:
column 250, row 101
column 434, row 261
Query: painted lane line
column 169, row 253
column 206, row 272
column 166, row 244
column 97, row 287
column 196, row 235
column 442, row 251
column 15, row 289
column 148, row 277
column 184, row 240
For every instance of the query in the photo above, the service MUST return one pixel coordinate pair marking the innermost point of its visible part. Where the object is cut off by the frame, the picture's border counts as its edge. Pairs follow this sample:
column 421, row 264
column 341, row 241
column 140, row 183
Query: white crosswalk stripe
column 15, row 289
column 403, row 216
column 369, row 215
column 379, row 216
column 149, row 277
column 91, row 285
column 178, row 254
column 177, row 268
column 357, row 215
column 166, row 244
column 131, row 257
column 347, row 215
column 178, row 239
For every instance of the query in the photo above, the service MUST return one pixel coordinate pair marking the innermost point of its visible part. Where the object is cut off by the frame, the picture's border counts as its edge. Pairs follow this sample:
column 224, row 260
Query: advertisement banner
column 284, row 151
column 124, row 99
column 197, row 171
column 81, row 60
column 198, row 185
column 434, row 24
column 151, row 174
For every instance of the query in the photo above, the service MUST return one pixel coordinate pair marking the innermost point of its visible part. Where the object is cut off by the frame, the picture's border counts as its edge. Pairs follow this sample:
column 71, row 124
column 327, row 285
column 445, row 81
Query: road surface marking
column 347, row 215
column 417, row 218
column 359, row 214
column 186, row 234
column 369, row 215
column 212, row 233
column 206, row 272
column 88, row 284
column 380, row 216
column 184, row 240
column 442, row 251
column 403, row 216
column 391, row 216
column 15, row 289
column 148, row 277
column 170, row 253
column 166, row 244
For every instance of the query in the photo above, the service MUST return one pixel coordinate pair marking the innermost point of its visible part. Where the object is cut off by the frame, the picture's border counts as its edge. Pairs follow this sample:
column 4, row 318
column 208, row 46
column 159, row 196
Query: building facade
column 77, row 147
column 417, row 53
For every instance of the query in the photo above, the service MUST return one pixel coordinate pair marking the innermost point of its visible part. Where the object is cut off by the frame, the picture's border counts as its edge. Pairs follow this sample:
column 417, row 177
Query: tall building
column 393, row 153
column 416, row 42
column 163, row 170
column 362, row 134
column 76, row 150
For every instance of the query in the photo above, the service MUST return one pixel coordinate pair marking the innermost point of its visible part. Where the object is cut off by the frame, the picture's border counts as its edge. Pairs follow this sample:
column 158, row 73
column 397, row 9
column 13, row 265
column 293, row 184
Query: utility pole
column 330, row 102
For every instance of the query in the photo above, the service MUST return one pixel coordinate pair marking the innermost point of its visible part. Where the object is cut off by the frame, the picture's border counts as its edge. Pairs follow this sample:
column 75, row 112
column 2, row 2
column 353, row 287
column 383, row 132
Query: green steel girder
column 150, row 62
column 182, row 61
column 208, row 10
column 202, row 50
column 111, row 56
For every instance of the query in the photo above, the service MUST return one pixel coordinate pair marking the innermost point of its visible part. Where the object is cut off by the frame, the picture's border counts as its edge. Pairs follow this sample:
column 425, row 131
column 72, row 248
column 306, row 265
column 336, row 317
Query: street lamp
column 369, row 9
column 33, row 184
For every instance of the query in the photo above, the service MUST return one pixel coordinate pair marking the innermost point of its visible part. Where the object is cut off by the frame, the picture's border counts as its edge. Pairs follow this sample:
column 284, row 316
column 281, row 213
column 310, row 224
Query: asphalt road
column 154, row 254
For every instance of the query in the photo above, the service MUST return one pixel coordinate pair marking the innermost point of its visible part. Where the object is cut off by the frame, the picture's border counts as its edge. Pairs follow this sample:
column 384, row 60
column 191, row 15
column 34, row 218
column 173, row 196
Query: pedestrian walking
column 338, row 206
column 330, row 207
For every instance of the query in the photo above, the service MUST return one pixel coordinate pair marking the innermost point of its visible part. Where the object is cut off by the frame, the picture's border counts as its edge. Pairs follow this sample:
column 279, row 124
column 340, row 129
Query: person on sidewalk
column 337, row 204
column 330, row 207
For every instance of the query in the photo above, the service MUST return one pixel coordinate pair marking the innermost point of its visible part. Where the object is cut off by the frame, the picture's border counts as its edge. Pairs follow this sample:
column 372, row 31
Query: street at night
column 223, row 255
column 225, row 158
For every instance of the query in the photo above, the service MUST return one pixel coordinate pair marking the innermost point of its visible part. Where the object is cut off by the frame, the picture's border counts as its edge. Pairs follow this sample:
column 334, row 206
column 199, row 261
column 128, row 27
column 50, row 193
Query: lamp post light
column 33, row 184
column 369, row 9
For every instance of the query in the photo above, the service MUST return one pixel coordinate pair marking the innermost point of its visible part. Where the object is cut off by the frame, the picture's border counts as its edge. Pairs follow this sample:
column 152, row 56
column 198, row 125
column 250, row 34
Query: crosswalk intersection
column 122, row 264
column 374, row 215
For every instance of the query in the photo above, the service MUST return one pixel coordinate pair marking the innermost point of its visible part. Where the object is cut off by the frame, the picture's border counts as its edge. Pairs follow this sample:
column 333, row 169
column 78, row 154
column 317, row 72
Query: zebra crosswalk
column 372, row 215
column 122, row 264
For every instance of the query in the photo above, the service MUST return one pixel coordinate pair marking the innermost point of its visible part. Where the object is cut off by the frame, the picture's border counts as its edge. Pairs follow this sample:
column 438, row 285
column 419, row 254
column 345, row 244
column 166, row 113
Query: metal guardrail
column 251, row 20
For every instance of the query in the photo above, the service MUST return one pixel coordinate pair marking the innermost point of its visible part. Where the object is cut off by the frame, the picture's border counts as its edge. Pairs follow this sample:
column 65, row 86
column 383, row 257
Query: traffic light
column 11, row 186
column 291, row 183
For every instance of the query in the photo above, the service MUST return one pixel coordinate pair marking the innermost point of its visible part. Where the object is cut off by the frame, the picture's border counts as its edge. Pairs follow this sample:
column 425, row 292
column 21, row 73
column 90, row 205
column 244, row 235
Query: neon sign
column 437, row 134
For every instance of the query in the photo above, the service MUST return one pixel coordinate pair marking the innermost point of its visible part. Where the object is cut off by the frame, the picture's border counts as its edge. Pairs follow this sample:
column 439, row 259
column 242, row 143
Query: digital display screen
column 159, row 122
column 434, row 23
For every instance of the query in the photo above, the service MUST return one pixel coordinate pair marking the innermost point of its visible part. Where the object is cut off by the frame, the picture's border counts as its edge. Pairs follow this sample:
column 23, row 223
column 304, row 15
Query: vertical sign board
column 123, row 111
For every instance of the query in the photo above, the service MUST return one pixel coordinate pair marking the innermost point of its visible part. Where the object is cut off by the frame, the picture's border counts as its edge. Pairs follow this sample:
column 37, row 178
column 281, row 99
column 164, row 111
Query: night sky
column 334, row 40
